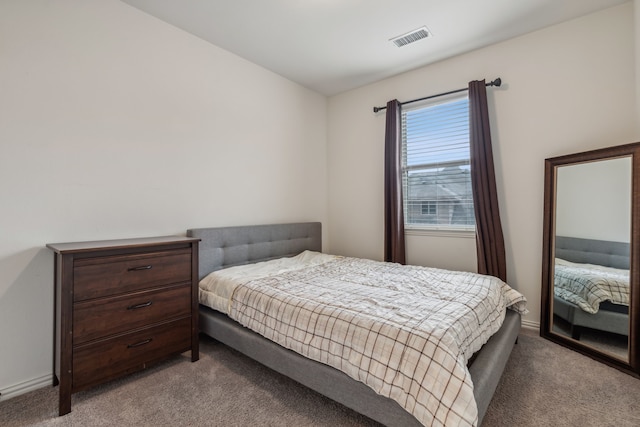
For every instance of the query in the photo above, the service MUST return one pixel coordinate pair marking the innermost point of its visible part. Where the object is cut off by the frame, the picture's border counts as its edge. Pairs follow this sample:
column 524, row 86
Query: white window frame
column 449, row 230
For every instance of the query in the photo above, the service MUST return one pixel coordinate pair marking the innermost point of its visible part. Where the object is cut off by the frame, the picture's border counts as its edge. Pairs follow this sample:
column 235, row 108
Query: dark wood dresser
column 121, row 305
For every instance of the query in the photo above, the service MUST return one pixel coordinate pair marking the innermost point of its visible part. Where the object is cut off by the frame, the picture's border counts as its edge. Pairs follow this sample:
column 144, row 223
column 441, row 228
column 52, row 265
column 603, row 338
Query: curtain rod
column 497, row 82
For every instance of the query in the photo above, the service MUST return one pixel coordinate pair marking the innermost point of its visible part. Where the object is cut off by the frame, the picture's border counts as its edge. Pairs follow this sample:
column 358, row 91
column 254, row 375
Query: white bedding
column 215, row 290
column 587, row 285
column 405, row 331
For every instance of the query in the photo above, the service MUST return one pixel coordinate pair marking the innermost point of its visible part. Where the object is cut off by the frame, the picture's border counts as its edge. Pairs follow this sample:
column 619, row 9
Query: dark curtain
column 393, row 211
column 489, row 238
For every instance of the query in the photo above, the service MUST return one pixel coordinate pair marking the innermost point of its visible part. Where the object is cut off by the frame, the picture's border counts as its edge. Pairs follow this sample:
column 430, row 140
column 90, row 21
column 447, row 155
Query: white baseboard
column 26, row 386
column 529, row 324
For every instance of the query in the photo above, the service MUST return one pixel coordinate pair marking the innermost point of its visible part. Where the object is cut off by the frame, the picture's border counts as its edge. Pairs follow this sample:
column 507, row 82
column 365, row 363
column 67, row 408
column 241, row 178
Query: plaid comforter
column 588, row 285
column 405, row 331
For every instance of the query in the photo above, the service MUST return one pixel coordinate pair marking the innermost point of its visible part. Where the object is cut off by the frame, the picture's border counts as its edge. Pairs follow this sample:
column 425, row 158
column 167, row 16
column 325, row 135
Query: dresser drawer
column 104, row 276
column 102, row 317
column 99, row 361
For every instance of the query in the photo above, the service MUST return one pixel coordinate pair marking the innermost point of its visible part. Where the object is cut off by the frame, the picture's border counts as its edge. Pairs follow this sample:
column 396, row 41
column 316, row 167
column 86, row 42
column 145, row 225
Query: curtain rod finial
column 376, row 109
column 497, row 82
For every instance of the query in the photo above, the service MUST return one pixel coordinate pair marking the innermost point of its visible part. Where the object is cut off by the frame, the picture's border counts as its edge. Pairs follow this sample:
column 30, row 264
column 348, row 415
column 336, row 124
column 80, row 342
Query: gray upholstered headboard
column 222, row 247
column 589, row 251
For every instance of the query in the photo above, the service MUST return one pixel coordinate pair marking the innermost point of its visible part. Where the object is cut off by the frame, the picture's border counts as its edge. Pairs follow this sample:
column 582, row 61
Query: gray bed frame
column 611, row 317
column 223, row 247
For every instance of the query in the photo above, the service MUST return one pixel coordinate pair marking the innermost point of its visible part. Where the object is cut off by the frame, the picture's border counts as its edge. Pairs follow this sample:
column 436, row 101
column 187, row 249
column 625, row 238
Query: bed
column 231, row 246
column 609, row 310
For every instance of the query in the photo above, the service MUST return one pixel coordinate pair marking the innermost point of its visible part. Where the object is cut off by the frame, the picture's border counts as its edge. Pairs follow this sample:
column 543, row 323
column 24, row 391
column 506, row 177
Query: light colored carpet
column 544, row 385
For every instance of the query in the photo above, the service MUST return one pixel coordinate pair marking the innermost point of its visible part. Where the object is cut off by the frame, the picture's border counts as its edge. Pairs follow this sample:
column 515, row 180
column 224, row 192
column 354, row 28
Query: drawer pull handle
column 144, row 267
column 137, row 306
column 138, row 344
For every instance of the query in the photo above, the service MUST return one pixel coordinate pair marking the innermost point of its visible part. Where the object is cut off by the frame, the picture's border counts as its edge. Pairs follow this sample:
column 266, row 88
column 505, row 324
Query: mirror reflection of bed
column 591, row 293
column 592, row 257
column 592, row 216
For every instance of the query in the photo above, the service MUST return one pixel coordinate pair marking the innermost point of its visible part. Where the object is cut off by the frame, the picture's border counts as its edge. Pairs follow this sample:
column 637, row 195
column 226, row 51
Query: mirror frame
column 548, row 254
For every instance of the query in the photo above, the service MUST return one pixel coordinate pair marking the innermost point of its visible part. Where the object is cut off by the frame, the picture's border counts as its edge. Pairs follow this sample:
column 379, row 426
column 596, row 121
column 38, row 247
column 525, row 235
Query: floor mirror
column 591, row 251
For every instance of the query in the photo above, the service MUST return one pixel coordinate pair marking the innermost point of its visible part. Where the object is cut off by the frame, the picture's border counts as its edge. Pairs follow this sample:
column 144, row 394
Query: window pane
column 436, row 169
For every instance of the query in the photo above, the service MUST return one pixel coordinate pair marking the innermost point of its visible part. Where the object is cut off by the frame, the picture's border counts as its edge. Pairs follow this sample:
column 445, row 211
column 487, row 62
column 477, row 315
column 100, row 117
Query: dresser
column 120, row 306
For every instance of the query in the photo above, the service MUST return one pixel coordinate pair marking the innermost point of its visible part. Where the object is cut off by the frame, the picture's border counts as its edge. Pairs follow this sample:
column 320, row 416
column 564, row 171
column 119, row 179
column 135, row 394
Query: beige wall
column 636, row 8
column 567, row 88
column 593, row 200
column 113, row 125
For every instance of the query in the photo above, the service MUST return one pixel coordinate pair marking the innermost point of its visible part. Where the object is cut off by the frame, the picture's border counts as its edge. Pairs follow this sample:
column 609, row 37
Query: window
column 436, row 174
column 429, row 208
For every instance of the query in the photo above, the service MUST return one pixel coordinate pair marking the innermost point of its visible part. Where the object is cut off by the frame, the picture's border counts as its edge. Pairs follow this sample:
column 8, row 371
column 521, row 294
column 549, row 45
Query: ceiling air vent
column 410, row 37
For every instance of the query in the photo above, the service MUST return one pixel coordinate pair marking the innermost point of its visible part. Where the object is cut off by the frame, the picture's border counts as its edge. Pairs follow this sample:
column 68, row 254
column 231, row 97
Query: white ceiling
column 332, row 46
